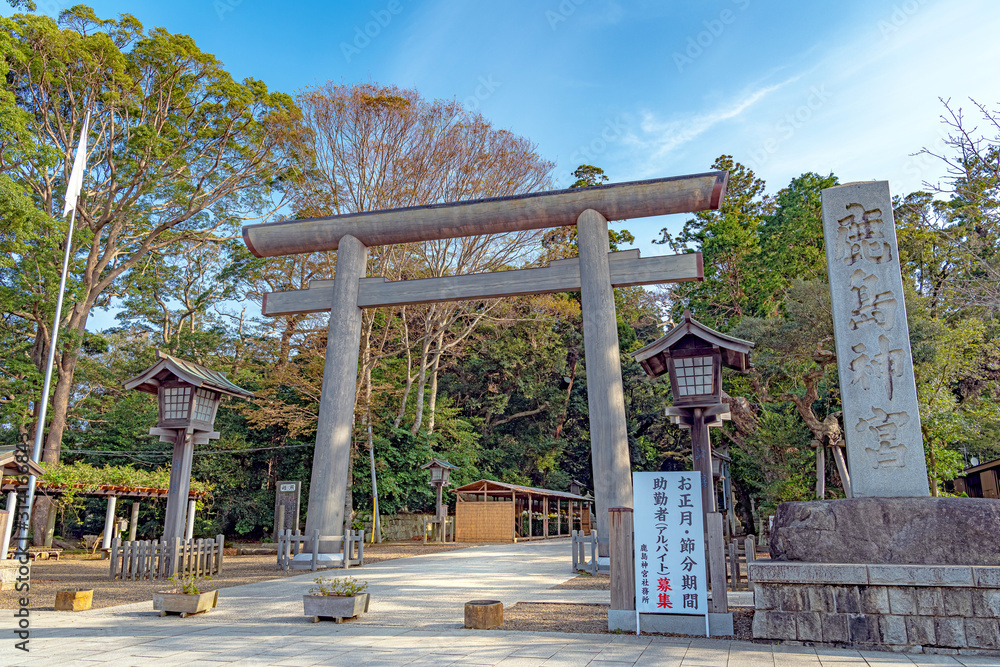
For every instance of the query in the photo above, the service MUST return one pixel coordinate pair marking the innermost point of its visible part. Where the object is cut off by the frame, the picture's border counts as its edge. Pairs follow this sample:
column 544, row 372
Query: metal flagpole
column 72, row 192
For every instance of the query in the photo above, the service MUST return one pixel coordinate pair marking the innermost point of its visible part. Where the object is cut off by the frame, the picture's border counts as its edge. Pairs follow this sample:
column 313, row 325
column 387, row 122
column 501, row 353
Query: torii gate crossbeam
column 594, row 274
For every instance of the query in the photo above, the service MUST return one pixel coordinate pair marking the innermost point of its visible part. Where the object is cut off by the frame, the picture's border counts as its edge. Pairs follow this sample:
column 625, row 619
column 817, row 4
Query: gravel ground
column 586, row 582
column 80, row 572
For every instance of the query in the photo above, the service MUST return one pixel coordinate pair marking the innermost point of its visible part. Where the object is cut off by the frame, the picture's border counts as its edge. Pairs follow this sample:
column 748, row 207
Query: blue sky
column 641, row 89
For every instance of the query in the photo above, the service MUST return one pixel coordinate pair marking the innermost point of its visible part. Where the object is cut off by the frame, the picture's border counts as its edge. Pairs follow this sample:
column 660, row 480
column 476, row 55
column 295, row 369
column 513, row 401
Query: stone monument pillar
column 885, row 449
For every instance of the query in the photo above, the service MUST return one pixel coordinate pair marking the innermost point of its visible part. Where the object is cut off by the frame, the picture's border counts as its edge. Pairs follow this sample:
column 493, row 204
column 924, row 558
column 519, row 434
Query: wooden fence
column 290, row 544
column 162, row 559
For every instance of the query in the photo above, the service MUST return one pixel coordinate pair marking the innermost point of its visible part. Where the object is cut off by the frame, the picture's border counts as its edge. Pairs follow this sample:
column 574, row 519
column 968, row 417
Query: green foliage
column 346, row 587
column 189, row 584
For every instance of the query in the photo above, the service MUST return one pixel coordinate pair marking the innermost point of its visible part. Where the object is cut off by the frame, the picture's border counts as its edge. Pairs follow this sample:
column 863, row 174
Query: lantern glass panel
column 176, row 402
column 694, row 376
column 204, row 405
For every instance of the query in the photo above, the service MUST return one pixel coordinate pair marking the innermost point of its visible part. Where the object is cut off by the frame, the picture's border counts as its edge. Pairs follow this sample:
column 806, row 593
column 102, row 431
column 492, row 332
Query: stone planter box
column 930, row 608
column 185, row 604
column 74, row 600
column 10, row 570
column 337, row 607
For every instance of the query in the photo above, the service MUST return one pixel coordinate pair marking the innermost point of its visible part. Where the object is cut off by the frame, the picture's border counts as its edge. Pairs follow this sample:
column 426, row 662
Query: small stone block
column 846, row 600
column 774, row 625
column 893, row 629
column 874, row 599
column 950, row 631
column 986, row 602
column 920, row 630
column 920, row 575
column 863, row 628
column 808, row 573
column 765, row 596
column 809, row 626
column 902, row 601
column 930, row 601
column 835, row 628
column 986, row 577
column 819, row 598
column 982, row 632
column 957, row 601
column 790, row 598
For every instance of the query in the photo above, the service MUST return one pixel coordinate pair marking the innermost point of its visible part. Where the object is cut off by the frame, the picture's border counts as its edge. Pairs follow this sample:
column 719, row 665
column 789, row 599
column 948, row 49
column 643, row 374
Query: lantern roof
column 438, row 463
column 168, row 368
column 692, row 333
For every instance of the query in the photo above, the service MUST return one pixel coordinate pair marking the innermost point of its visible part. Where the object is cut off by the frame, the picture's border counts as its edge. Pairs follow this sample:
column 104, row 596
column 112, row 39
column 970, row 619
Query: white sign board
column 670, row 572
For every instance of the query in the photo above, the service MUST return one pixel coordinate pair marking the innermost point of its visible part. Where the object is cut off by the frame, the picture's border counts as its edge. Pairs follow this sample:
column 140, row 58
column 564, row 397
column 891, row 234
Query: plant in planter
column 186, row 597
column 336, row 598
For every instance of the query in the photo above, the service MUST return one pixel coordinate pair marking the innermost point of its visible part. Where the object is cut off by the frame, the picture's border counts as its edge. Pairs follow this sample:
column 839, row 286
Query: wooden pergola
column 491, row 511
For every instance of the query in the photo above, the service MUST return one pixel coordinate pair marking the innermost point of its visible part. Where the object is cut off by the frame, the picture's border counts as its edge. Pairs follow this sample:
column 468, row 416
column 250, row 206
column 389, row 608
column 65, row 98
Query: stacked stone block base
column 937, row 608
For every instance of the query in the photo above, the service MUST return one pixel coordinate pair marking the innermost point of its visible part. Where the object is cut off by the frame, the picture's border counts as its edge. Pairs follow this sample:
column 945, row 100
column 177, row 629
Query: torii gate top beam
column 558, row 208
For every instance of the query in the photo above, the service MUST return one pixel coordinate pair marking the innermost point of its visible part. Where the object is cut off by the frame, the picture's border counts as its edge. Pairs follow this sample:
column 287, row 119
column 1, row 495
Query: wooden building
column 979, row 481
column 489, row 511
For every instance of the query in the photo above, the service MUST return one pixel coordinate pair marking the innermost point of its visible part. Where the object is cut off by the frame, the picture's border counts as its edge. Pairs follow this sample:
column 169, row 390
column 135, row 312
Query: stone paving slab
column 415, row 619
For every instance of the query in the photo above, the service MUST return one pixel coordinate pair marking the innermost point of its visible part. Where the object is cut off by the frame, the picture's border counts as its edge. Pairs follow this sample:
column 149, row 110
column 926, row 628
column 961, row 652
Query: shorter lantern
column 440, row 473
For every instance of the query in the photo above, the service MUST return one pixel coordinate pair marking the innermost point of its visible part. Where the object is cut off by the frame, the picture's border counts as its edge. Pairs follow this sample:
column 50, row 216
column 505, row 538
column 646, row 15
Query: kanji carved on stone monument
column 882, row 421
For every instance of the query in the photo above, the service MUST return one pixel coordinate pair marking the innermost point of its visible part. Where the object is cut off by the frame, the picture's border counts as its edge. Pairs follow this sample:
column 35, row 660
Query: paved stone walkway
column 415, row 619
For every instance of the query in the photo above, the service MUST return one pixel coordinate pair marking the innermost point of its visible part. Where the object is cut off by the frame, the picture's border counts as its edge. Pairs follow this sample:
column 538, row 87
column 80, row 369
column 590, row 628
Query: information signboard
column 670, row 567
column 286, row 505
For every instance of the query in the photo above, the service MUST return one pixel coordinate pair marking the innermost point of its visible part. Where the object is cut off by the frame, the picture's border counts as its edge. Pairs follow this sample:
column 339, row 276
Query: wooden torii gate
column 595, row 273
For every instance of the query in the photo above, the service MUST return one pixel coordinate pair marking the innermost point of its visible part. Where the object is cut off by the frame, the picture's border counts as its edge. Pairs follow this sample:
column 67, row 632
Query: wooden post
column 734, row 563
column 180, row 485
column 558, row 517
column 220, row 542
column 751, row 551
column 189, row 531
column 620, row 549
column 820, row 470
column 134, row 521
column 113, row 557
column 109, row 523
column 845, row 477
column 701, row 451
column 717, row 563
column 315, row 549
column 545, row 517
column 440, row 513
column 529, row 515
column 605, row 395
column 332, row 455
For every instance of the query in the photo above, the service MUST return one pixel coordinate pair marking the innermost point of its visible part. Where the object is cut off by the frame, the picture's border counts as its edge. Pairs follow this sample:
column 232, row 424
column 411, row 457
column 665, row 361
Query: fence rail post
column 220, row 542
column 315, row 549
column 748, row 545
column 112, row 556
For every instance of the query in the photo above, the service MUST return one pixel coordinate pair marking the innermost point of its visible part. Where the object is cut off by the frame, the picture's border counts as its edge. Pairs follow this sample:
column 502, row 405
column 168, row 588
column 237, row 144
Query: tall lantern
column 188, row 396
column 692, row 355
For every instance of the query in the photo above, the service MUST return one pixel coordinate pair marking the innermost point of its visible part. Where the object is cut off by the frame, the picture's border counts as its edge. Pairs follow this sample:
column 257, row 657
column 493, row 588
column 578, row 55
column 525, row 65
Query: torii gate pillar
column 605, row 394
column 332, row 456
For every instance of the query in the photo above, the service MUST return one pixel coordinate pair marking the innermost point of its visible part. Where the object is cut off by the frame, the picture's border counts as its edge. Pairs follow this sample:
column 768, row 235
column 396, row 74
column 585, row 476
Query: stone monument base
column 932, row 608
column 678, row 624
column 905, row 531
column 303, row 561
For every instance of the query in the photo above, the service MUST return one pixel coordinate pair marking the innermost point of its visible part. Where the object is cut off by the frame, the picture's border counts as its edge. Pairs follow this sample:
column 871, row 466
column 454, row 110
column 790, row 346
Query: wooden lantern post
column 692, row 355
column 188, row 396
column 440, row 473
